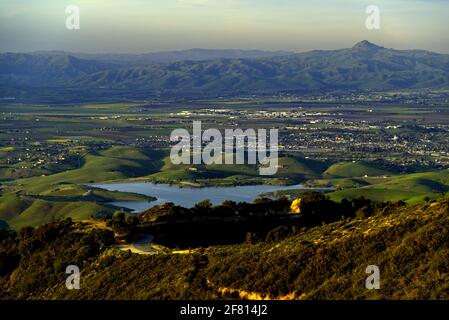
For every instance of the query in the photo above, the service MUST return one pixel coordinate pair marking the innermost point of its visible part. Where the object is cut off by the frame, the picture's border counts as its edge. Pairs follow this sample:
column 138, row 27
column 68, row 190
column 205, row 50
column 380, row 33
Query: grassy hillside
column 20, row 211
column 411, row 188
column 295, row 169
column 11, row 205
column 41, row 212
column 75, row 192
column 355, row 169
column 112, row 164
column 43, row 199
column 66, row 200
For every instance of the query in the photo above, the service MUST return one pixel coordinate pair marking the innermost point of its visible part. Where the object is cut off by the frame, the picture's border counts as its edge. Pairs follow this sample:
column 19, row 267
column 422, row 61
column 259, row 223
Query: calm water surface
column 187, row 197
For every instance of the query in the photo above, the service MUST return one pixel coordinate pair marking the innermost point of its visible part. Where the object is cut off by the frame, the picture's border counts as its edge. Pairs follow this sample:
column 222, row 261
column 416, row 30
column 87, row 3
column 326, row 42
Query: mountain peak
column 366, row 45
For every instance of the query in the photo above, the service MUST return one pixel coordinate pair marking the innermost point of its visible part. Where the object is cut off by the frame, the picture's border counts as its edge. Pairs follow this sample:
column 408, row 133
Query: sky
column 139, row 26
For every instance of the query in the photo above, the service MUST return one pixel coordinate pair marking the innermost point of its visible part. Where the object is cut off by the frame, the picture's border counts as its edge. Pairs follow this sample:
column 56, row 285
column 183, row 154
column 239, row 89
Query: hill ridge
column 365, row 66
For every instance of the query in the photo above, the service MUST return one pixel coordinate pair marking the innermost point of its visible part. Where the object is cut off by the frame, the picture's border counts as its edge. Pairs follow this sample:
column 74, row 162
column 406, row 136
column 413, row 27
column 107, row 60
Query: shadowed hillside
column 322, row 261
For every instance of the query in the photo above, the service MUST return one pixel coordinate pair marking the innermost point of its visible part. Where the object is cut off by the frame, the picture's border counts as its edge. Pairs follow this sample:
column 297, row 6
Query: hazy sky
column 138, row 26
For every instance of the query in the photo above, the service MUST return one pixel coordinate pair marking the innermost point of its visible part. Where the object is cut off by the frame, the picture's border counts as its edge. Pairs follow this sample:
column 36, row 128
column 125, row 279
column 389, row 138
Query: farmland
column 383, row 146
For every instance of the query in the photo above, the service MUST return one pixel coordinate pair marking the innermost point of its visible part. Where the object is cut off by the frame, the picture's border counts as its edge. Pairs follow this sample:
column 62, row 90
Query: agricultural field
column 354, row 147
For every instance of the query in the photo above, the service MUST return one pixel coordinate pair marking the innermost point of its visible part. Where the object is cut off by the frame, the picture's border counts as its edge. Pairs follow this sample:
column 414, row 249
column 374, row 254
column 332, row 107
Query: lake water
column 187, row 197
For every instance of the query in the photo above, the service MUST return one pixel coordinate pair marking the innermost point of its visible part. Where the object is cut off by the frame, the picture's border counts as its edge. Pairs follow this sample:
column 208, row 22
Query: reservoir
column 188, row 197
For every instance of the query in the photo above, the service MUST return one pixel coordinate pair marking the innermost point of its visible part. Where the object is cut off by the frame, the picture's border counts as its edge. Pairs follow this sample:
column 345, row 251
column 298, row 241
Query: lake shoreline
column 187, row 196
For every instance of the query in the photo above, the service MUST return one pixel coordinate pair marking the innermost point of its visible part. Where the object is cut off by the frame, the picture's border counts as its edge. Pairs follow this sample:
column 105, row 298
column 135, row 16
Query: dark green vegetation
column 232, row 222
column 363, row 67
column 320, row 259
column 48, row 250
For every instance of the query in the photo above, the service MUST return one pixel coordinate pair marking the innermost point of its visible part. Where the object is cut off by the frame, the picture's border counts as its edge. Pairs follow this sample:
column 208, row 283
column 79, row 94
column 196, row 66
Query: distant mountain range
column 194, row 72
column 168, row 56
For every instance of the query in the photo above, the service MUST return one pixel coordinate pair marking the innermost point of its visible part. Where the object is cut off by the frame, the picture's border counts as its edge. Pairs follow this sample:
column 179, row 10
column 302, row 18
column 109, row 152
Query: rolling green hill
column 11, row 205
column 20, row 211
column 411, row 188
column 41, row 212
column 355, row 169
column 63, row 201
column 295, row 169
column 43, row 199
column 112, row 164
